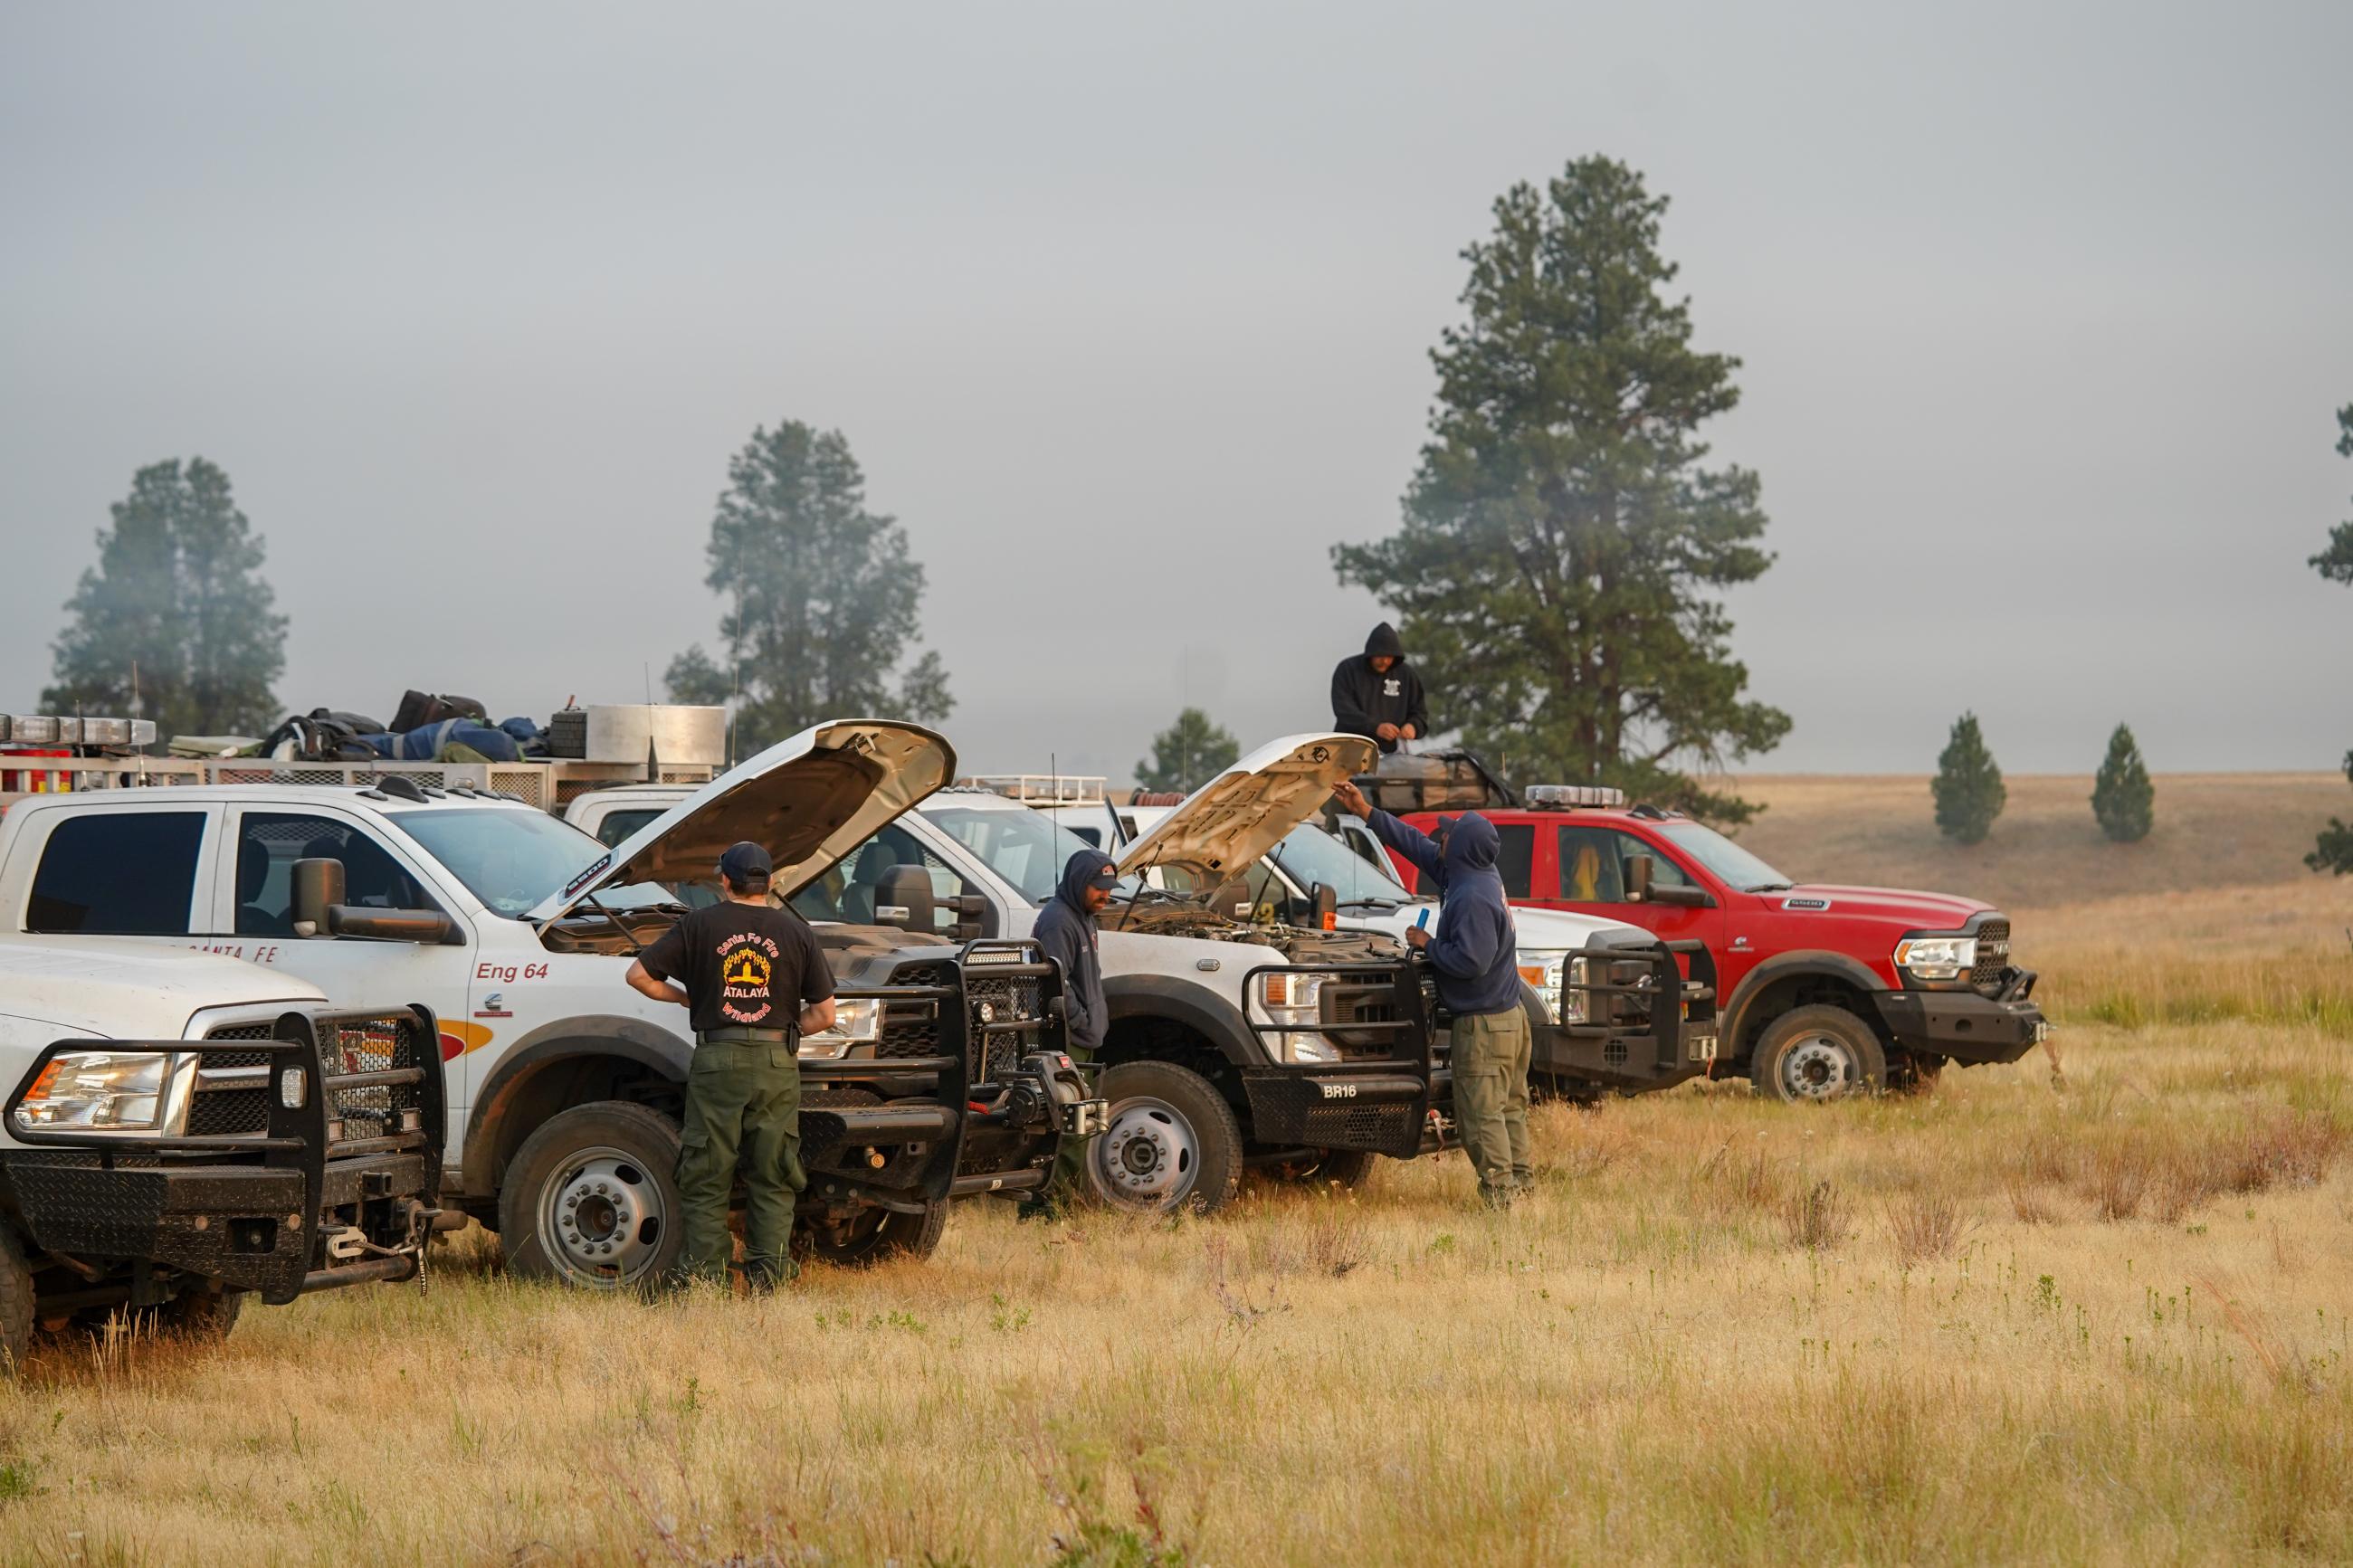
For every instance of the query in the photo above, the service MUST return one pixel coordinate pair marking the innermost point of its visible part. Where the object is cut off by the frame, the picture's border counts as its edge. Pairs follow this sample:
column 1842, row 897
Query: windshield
column 512, row 860
column 1027, row 849
column 1308, row 855
column 1722, row 856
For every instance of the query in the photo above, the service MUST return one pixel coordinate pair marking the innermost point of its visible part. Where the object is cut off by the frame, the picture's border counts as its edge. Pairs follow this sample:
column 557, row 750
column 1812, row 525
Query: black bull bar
column 1382, row 1101
column 928, row 1116
column 250, row 1209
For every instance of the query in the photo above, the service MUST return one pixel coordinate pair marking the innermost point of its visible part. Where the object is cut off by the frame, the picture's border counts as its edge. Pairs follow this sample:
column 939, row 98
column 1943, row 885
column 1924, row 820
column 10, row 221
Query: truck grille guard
column 987, row 1078
column 306, row 1148
column 1383, row 1102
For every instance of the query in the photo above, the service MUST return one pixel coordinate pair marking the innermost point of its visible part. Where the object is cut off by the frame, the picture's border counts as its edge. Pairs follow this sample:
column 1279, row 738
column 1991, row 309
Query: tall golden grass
column 2102, row 1322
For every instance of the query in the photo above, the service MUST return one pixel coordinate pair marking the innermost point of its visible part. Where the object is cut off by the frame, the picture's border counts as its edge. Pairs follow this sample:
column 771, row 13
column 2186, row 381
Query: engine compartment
column 1161, row 914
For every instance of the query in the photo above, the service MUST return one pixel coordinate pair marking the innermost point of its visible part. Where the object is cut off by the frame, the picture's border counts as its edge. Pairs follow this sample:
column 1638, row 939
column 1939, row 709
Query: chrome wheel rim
column 602, row 1217
column 1817, row 1068
column 1149, row 1157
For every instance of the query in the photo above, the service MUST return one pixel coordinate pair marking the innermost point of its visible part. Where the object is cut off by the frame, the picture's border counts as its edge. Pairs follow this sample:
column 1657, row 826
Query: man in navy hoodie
column 1474, row 952
column 1066, row 928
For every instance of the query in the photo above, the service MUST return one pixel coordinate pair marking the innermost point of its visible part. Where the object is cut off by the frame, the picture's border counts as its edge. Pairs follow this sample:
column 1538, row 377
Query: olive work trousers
column 1491, row 1100
column 742, row 1103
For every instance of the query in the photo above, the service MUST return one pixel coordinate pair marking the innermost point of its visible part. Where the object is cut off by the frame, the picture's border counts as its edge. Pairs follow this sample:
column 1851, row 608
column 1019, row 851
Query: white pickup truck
column 182, row 1131
column 1243, row 1036
column 941, row 1077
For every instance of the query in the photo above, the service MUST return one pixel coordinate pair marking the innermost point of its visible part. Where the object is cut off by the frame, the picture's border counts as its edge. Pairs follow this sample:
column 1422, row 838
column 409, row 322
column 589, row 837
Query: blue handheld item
column 1421, row 920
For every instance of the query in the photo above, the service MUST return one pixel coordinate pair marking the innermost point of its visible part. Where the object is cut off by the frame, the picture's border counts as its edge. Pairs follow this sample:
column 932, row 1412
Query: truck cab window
column 619, row 825
column 269, row 842
column 1516, row 856
column 858, row 897
column 1593, row 865
column 118, row 873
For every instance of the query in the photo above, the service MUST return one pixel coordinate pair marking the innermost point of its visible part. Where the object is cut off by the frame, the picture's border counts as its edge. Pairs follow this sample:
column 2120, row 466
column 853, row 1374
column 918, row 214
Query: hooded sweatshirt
column 1364, row 698
column 1070, row 937
column 1475, row 947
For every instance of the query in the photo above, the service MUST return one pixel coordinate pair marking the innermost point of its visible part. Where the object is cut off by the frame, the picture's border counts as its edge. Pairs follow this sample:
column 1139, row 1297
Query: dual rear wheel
column 1173, row 1142
column 592, row 1199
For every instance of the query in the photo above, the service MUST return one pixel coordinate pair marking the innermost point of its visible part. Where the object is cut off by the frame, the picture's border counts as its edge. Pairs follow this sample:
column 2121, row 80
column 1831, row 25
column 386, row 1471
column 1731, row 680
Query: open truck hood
column 1224, row 826
column 809, row 802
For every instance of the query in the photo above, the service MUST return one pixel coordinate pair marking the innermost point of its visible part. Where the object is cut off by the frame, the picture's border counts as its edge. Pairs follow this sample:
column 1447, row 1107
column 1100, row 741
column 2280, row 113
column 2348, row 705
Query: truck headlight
column 1558, row 980
column 1297, row 999
column 117, row 1091
column 857, row 1021
column 1937, row 957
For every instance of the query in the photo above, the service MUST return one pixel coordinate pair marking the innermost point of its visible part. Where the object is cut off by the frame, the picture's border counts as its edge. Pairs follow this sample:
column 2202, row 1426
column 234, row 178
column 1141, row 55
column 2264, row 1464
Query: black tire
column 1324, row 1168
column 201, row 1315
column 611, row 1168
column 16, row 1302
column 878, row 1235
column 1172, row 1142
column 1817, row 1053
column 1913, row 1072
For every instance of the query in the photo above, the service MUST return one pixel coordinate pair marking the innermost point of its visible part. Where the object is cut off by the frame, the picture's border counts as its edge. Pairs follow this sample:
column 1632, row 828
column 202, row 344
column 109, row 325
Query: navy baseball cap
column 744, row 861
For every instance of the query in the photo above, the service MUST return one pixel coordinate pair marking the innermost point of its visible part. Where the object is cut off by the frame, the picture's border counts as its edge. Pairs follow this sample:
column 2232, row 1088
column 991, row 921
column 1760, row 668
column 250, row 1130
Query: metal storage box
column 619, row 733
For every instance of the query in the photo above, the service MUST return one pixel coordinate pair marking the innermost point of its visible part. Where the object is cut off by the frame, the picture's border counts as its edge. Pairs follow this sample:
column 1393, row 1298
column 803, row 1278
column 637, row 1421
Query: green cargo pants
column 1491, row 1100
column 742, row 1100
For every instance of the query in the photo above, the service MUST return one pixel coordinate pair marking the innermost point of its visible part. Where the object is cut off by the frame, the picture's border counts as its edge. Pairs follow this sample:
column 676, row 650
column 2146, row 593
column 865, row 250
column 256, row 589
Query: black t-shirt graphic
column 743, row 966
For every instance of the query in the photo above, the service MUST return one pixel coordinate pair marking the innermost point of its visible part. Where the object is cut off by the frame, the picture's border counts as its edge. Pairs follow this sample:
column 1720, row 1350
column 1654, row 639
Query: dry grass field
column 2102, row 1321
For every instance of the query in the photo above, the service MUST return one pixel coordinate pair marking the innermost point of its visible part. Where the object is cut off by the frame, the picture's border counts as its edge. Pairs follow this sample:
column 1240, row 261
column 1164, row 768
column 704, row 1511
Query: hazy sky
column 2045, row 313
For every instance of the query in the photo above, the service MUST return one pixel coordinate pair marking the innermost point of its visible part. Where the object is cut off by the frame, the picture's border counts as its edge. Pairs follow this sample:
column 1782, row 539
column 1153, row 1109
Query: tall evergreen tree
column 2122, row 797
column 1969, row 788
column 822, row 600
column 177, row 597
column 2334, row 852
column 2336, row 563
column 1562, row 550
column 1187, row 754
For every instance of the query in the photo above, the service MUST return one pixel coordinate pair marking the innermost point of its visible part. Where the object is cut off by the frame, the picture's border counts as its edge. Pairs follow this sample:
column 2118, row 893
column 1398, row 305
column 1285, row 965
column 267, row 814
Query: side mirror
column 971, row 915
column 428, row 927
column 318, row 887
column 905, row 900
column 1326, row 899
column 1643, row 887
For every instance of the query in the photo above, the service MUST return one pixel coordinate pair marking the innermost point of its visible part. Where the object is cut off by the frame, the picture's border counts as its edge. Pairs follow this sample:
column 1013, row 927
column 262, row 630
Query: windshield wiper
column 1369, row 904
column 1769, row 888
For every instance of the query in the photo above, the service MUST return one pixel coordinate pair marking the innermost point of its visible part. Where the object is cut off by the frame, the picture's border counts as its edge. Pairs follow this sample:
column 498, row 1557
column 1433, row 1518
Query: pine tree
column 822, row 600
column 2334, row 850
column 1187, row 754
column 2122, row 797
column 1560, row 571
column 177, row 603
column 2336, row 563
column 1969, row 788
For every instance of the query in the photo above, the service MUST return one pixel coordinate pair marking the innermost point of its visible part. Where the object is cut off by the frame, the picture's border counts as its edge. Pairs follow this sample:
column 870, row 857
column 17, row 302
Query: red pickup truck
column 1824, row 990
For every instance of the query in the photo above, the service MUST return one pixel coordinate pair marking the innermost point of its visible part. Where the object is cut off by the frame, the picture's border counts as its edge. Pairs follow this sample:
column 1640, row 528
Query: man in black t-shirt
column 752, row 979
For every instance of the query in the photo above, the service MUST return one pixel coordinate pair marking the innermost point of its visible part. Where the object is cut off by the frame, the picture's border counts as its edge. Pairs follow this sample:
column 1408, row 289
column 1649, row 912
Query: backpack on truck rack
column 419, row 708
column 1435, row 781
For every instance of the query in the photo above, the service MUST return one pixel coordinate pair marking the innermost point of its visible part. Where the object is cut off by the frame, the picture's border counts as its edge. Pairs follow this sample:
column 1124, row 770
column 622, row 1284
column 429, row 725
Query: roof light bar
column 1559, row 797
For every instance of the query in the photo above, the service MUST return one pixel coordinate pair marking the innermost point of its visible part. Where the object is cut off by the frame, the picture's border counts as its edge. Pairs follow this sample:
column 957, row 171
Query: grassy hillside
column 2213, row 831
column 2212, row 917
